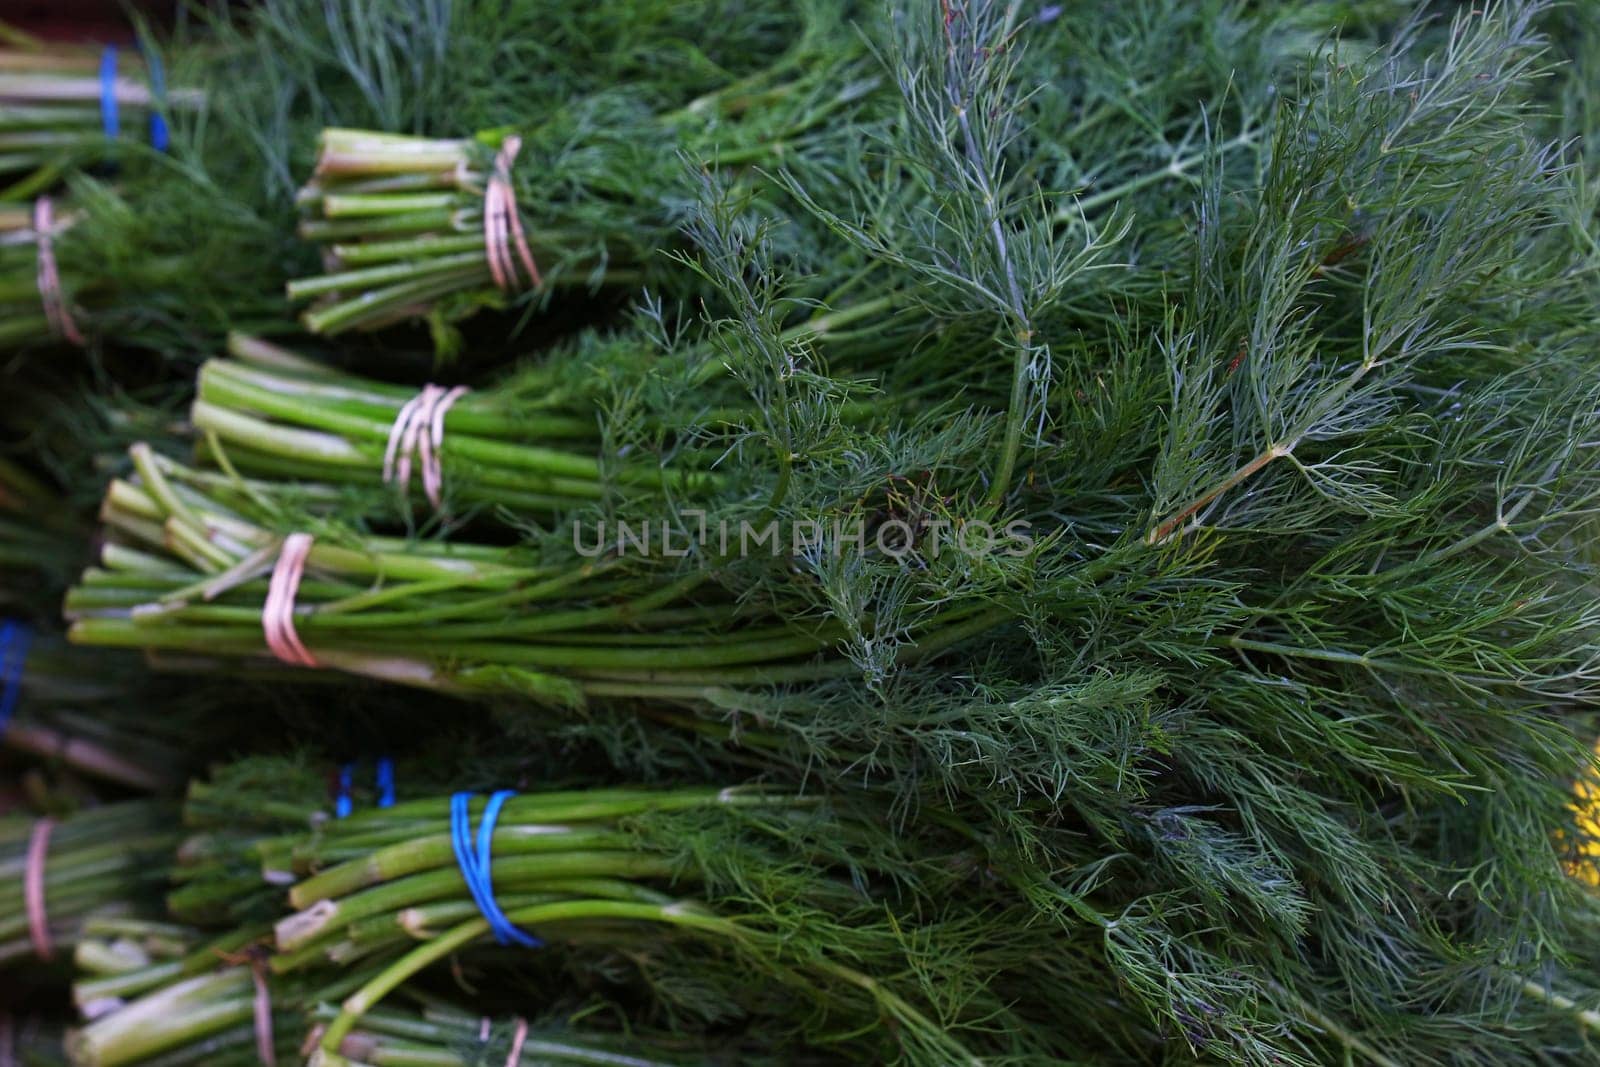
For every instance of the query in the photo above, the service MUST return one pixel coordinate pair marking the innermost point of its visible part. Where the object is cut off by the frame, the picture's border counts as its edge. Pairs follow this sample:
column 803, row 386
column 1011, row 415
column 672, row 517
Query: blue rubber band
column 157, row 76
column 108, row 92
column 476, row 863
column 341, row 803
column 386, row 783
column 15, row 637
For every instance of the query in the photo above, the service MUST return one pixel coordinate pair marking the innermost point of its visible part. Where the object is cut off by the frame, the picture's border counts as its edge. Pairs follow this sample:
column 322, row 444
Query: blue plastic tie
column 159, row 136
column 341, row 803
column 386, row 783
column 476, row 863
column 108, row 92
column 15, row 637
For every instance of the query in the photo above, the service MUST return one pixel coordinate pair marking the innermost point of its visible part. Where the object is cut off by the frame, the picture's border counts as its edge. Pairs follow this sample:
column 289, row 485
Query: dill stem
column 1342, row 1034
column 1589, row 1018
column 1165, row 529
column 1176, row 168
column 1011, row 450
column 902, row 1010
column 1285, row 447
column 442, row 946
column 86, row 756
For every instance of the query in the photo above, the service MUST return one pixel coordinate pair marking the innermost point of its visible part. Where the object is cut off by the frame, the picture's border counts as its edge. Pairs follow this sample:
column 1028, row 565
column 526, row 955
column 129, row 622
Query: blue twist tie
column 341, row 803
column 15, row 637
column 157, row 76
column 386, row 783
column 108, row 92
column 475, row 864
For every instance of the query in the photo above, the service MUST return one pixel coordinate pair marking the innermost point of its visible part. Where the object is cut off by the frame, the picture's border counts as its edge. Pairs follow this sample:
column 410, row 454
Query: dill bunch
column 1269, row 737
column 407, row 224
column 64, row 108
column 106, row 859
column 628, row 886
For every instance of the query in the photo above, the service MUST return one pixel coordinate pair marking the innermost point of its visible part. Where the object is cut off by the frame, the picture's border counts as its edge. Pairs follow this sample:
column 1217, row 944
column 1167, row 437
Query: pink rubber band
column 277, row 612
column 515, row 1059
column 48, row 278
column 399, row 433
column 266, row 1046
column 33, row 889
column 502, row 227
column 418, row 430
column 483, row 1028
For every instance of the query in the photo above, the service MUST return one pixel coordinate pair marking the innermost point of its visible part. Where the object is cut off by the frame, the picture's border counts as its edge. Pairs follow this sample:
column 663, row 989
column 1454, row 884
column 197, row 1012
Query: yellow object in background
column 1586, row 868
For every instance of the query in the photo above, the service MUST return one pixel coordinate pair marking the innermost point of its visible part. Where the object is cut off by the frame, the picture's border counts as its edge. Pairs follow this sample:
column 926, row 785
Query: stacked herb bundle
column 1305, row 613
column 64, row 108
column 152, row 261
column 110, row 948
column 214, row 1016
column 195, row 567
column 56, row 874
column 801, row 954
column 269, row 412
column 416, row 227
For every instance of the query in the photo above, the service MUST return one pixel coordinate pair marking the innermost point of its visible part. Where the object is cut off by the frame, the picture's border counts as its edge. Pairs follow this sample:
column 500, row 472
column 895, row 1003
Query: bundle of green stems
column 107, row 259
column 595, row 869
column 267, row 412
column 692, row 884
column 531, row 444
column 24, row 296
column 187, row 563
column 120, row 955
column 214, row 1006
column 414, row 227
column 63, row 107
column 100, row 860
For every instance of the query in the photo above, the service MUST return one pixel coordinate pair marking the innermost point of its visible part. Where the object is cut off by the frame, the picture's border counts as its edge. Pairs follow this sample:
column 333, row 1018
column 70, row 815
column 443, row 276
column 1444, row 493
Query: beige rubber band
column 517, row 1039
column 418, row 431
column 277, row 611
column 266, row 1046
column 33, row 889
column 502, row 227
column 48, row 278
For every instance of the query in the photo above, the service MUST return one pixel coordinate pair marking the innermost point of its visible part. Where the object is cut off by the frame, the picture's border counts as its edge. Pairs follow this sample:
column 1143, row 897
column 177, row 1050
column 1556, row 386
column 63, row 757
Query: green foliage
column 1278, row 342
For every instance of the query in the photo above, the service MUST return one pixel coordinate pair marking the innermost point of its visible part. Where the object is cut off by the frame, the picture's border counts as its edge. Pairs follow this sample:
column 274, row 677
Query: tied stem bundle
column 214, row 1007
column 190, row 569
column 574, row 872
column 743, row 948
column 417, row 227
column 39, row 303
column 62, row 108
column 268, row 412
column 532, row 444
column 55, row 873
